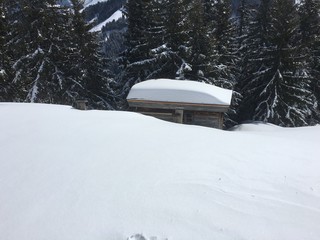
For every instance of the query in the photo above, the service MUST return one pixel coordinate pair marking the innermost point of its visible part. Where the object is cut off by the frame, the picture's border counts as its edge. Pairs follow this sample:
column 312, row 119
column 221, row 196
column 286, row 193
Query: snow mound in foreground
column 257, row 127
column 87, row 175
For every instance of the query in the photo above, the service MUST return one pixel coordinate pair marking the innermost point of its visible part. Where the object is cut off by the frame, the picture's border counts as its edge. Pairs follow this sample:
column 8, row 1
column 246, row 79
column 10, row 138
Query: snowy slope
column 88, row 3
column 100, row 175
column 114, row 17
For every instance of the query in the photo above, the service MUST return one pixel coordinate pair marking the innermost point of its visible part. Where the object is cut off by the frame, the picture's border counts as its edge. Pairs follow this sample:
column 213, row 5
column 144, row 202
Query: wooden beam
column 178, row 105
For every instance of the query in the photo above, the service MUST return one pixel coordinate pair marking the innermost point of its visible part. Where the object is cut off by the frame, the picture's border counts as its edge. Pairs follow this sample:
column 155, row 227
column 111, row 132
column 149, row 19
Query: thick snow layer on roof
column 168, row 90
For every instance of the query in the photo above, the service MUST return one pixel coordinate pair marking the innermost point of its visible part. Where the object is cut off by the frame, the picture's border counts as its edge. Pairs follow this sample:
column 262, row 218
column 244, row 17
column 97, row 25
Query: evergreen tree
column 143, row 58
column 309, row 11
column 137, row 48
column 309, row 21
column 54, row 58
column 155, row 36
column 3, row 53
column 316, row 75
column 222, row 33
column 199, row 43
column 175, row 48
column 134, row 60
column 3, row 33
column 244, row 11
column 241, row 48
column 276, row 85
column 253, row 56
column 36, row 45
column 256, row 40
column 112, row 49
column 87, row 72
column 224, row 69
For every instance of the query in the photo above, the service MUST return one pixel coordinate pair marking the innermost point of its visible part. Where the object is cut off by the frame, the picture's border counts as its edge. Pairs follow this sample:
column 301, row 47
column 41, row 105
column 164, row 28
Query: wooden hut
column 181, row 101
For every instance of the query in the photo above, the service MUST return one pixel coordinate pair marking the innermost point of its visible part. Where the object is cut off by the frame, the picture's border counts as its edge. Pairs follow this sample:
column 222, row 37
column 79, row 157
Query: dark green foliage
column 175, row 47
column 113, row 34
column 225, row 52
column 276, row 81
column 4, row 61
column 176, row 24
column 53, row 57
column 222, row 33
column 136, row 41
column 173, row 41
column 88, row 75
column 141, row 38
column 243, row 22
column 35, row 46
column 309, row 12
column 199, row 43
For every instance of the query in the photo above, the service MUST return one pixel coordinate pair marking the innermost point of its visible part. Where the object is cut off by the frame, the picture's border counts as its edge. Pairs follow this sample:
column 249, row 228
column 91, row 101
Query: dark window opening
column 188, row 118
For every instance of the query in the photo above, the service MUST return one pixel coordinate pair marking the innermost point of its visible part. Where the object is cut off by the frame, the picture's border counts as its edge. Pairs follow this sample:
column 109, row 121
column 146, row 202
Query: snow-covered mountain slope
column 103, row 13
column 96, row 175
column 88, row 3
column 114, row 17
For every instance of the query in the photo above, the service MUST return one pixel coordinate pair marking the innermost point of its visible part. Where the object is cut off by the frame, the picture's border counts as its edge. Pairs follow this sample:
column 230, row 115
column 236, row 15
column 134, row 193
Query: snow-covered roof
column 184, row 91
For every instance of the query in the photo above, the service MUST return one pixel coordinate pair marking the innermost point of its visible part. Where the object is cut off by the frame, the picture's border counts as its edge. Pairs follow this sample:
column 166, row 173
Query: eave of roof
column 177, row 105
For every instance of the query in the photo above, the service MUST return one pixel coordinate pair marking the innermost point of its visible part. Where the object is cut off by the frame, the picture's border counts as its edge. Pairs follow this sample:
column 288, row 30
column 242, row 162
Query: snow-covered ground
column 103, row 175
column 114, row 17
column 88, row 3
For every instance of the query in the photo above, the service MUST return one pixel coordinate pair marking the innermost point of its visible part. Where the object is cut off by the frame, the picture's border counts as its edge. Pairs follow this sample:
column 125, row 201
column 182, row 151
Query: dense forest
column 267, row 52
column 49, row 56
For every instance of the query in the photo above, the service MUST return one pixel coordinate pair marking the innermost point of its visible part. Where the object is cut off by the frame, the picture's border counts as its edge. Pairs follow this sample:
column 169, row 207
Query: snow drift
column 68, row 174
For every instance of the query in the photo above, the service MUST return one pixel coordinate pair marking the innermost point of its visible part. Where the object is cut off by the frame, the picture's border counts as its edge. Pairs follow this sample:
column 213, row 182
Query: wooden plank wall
column 201, row 118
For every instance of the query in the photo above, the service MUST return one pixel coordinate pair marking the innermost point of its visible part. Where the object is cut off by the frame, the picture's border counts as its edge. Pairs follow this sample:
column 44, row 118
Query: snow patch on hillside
column 97, row 175
column 88, row 3
column 114, row 17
